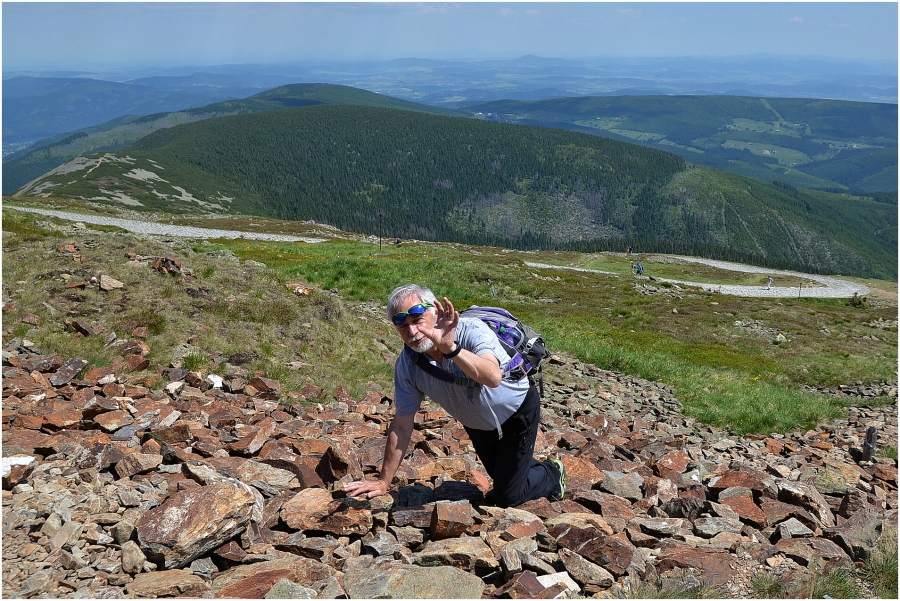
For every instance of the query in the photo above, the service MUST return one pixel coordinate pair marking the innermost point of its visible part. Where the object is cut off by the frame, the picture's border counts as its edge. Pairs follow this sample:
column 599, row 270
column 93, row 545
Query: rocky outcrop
column 177, row 485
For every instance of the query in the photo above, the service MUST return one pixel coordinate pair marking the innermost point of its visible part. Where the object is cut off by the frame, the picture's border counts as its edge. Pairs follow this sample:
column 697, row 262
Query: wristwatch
column 454, row 352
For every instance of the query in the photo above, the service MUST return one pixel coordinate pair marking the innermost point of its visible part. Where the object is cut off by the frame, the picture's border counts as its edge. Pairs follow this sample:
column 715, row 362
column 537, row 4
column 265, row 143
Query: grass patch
column 839, row 583
column 194, row 361
column 888, row 451
column 674, row 590
column 880, row 570
column 767, row 586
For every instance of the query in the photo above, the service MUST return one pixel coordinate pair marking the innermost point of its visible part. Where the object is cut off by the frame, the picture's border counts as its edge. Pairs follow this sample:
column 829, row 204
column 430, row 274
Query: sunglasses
column 416, row 310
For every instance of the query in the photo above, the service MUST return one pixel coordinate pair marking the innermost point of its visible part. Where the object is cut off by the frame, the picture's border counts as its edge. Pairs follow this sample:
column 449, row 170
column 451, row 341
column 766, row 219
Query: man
column 500, row 415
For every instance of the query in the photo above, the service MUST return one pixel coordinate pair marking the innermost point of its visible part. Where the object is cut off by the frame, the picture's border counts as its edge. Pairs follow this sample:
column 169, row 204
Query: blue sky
column 98, row 35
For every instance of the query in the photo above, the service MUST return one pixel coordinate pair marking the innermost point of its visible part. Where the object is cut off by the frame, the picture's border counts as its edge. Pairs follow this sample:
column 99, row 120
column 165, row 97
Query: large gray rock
column 132, row 557
column 465, row 552
column 413, row 582
column 585, row 572
column 285, row 589
column 174, row 583
column 807, row 497
column 193, row 522
column 858, row 535
column 709, row 527
column 623, row 485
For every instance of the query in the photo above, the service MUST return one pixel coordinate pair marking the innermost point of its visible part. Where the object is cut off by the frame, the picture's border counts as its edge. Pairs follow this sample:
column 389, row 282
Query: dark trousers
column 510, row 462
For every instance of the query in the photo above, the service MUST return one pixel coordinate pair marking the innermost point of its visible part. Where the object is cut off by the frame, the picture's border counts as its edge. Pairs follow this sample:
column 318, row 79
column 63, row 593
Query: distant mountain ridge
column 37, row 108
column 822, row 144
column 440, row 178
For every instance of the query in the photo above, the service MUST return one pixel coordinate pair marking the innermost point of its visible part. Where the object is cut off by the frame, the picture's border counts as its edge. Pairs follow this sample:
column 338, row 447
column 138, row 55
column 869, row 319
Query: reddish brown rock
column 31, row 319
column 267, row 388
column 63, row 419
column 525, row 585
column 577, row 467
column 137, row 463
column 676, row 461
column 339, row 461
column 193, row 522
column 136, row 363
column 284, row 459
column 748, row 511
column 135, row 347
column 252, row 443
column 79, row 325
column 179, row 432
column 450, row 519
column 231, row 551
column 67, row 372
column 170, row 583
column 735, row 478
column 713, row 564
column 16, row 468
column 888, row 473
column 113, row 420
column 253, row 581
column 314, row 509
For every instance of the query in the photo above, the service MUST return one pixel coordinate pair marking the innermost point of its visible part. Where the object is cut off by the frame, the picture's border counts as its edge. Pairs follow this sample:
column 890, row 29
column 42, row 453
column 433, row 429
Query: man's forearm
column 395, row 447
column 484, row 369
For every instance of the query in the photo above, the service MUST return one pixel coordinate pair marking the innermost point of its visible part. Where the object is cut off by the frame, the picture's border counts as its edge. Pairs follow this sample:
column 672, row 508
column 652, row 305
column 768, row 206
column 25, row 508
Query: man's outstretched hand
column 443, row 335
column 369, row 488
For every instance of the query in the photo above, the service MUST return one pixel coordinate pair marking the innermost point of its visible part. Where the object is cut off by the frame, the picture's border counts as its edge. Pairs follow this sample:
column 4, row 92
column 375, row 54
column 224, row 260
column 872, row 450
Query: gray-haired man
column 500, row 415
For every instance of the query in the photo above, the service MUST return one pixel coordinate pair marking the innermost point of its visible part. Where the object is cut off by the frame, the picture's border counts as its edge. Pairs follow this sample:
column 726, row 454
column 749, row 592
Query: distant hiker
column 640, row 269
column 501, row 416
column 769, row 281
column 628, row 252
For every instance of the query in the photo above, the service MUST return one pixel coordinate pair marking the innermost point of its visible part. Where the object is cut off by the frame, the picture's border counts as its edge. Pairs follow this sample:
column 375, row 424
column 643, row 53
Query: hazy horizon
column 37, row 36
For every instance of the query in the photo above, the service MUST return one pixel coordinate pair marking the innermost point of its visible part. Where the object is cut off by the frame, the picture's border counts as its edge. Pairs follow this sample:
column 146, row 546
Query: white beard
column 422, row 346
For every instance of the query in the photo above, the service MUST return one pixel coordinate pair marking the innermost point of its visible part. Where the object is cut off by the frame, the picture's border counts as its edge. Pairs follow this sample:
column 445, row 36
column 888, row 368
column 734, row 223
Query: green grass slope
column 23, row 167
column 246, row 314
column 414, row 175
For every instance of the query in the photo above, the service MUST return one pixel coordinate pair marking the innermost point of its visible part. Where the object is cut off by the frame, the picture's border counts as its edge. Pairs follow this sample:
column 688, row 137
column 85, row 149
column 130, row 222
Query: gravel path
column 181, row 231
column 828, row 288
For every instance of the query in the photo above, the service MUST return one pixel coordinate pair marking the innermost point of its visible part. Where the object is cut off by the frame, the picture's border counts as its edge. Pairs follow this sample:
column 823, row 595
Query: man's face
column 410, row 332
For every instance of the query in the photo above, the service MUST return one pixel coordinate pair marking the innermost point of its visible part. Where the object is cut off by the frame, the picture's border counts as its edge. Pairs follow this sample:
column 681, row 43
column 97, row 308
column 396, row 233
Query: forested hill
column 23, row 167
column 442, row 178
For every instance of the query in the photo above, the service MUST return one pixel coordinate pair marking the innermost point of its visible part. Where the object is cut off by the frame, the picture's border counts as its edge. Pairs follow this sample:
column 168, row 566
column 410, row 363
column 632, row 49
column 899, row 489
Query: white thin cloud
column 796, row 20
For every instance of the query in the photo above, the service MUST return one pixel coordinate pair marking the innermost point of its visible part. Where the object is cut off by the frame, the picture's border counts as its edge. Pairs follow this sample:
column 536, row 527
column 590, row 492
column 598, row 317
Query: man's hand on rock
column 369, row 488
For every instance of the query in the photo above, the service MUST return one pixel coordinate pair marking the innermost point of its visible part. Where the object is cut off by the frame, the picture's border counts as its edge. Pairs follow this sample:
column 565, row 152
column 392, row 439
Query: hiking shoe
column 558, row 496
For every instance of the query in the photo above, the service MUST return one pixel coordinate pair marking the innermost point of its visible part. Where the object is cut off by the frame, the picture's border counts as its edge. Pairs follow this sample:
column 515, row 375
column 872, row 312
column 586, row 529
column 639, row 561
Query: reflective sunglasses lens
column 400, row 318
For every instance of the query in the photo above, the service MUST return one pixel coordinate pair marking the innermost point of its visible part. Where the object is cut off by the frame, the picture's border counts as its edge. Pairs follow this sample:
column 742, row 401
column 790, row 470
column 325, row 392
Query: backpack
column 524, row 346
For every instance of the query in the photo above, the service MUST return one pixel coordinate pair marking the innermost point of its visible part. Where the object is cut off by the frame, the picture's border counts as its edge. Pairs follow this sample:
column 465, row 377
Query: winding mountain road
column 828, row 287
column 163, row 229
